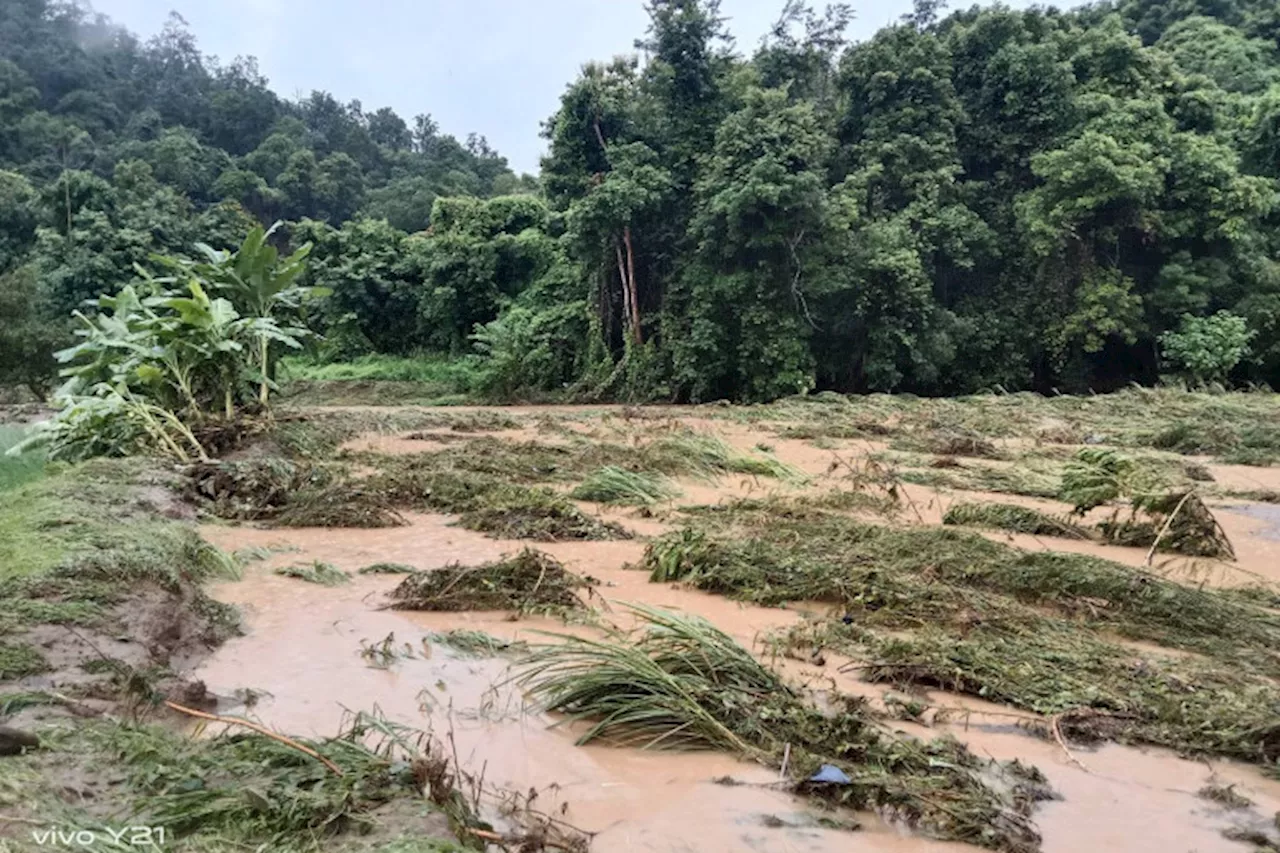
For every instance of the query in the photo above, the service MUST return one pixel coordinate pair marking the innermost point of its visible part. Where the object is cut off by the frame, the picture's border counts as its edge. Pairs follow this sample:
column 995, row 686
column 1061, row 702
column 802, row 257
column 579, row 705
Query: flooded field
column 309, row 651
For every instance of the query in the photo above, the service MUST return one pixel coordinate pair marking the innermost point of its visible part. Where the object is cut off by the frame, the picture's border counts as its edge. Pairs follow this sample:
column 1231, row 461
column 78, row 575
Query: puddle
column 1269, row 513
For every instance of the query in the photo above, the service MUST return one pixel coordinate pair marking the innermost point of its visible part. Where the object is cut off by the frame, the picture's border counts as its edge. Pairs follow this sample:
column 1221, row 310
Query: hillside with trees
column 1025, row 199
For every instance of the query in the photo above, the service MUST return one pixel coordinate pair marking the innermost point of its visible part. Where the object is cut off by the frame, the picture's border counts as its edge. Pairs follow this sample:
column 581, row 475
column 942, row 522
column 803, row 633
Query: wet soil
column 301, row 656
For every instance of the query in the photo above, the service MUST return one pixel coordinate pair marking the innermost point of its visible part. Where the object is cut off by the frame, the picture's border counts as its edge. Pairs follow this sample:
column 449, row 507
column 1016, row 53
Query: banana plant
column 259, row 284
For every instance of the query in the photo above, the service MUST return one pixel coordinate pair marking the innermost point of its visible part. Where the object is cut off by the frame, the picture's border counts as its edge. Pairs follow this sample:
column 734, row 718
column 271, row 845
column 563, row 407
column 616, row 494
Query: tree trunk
column 627, row 311
column 631, row 285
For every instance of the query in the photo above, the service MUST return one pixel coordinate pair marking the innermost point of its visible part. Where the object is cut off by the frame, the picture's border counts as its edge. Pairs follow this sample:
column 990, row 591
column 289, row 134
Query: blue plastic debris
column 831, row 775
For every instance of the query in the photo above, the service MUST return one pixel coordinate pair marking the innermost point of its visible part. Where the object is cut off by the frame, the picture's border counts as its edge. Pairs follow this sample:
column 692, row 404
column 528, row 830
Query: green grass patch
column 700, row 454
column 242, row 790
column 1013, row 518
column 20, row 468
column 19, row 659
column 614, row 485
column 382, row 380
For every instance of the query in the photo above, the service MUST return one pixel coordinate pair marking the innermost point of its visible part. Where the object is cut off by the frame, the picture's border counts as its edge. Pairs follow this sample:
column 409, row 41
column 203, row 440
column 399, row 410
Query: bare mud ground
column 306, row 657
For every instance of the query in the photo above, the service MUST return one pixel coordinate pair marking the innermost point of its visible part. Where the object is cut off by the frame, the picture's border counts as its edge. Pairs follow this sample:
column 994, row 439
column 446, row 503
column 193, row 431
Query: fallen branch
column 1168, row 522
column 1057, row 735
column 262, row 730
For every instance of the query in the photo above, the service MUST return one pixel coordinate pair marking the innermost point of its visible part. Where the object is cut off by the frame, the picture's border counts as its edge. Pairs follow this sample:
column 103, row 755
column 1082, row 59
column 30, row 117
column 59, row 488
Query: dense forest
column 1025, row 199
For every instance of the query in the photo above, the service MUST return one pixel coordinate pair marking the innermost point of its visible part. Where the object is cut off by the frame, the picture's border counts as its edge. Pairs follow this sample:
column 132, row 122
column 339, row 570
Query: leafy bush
column 156, row 365
column 1208, row 348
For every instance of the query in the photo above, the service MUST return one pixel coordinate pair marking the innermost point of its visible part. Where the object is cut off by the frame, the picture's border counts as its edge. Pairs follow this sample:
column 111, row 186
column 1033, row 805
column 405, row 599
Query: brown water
column 303, row 643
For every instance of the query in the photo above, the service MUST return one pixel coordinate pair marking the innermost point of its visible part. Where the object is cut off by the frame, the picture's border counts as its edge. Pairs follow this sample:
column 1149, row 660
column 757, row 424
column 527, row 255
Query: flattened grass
column 933, row 606
column 244, row 790
column 529, row 581
column 677, row 682
column 317, row 572
column 1011, row 517
column 614, row 485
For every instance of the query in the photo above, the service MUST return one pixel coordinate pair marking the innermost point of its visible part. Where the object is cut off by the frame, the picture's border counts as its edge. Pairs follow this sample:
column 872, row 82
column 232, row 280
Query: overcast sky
column 495, row 67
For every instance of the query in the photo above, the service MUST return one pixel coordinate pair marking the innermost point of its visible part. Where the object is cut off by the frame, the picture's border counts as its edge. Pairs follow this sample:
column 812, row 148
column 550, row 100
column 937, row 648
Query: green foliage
column 19, row 468
column 317, row 572
column 1208, row 348
column 156, row 363
column 1100, row 475
column 615, row 485
column 1006, row 197
column 29, row 334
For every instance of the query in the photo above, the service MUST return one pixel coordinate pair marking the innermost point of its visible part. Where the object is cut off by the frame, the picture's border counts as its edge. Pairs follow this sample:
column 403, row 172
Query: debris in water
column 828, row 774
column 529, row 581
column 317, row 571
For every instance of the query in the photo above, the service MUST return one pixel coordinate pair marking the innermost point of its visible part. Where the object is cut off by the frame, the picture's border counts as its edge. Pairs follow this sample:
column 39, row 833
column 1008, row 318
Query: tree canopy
column 1030, row 199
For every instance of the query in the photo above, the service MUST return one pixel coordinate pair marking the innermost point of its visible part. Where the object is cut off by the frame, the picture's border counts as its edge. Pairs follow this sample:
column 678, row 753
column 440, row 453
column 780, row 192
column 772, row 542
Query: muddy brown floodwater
column 302, row 645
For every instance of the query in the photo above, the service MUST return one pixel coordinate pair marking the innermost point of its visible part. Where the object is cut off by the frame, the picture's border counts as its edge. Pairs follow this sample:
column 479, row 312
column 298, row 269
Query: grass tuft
column 387, row 569
column 529, row 581
column 317, row 572
column 1011, row 517
column 677, row 682
column 614, row 485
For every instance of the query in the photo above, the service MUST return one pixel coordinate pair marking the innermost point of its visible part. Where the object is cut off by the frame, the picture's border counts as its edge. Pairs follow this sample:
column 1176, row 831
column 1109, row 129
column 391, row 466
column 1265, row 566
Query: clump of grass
column 489, row 504
column 12, row 703
column 1225, row 796
column 948, row 443
column 387, row 569
column 529, row 581
column 614, row 485
column 1101, row 692
column 1177, row 523
column 1011, row 517
column 253, row 791
column 317, row 572
column 677, row 682
column 1017, row 480
column 347, row 505
column 540, row 516
column 18, row 660
column 704, row 455
column 478, row 644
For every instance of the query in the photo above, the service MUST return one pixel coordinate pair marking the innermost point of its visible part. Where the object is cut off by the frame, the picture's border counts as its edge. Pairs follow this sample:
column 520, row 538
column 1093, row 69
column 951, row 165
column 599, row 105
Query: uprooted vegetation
column 1011, row 517
column 528, row 582
column 317, row 572
column 498, row 487
column 483, row 502
column 250, row 790
column 1176, row 521
column 677, row 682
column 936, row 607
column 614, row 485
